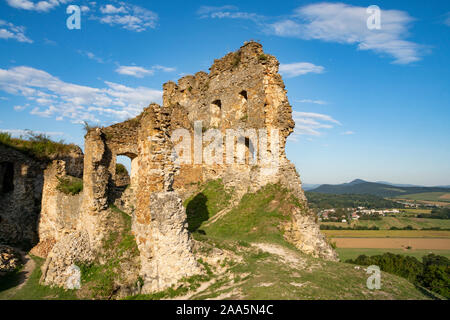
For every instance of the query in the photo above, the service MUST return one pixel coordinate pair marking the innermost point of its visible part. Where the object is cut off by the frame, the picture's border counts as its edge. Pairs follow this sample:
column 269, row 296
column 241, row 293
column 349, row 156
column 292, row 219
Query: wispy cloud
column 321, row 102
column 42, row 6
column 91, row 56
column 128, row 16
column 291, row 70
column 20, row 132
column 48, row 96
column 447, row 19
column 347, row 24
column 134, row 71
column 230, row 12
column 336, row 22
column 140, row 72
column 10, row 31
column 348, row 133
column 311, row 124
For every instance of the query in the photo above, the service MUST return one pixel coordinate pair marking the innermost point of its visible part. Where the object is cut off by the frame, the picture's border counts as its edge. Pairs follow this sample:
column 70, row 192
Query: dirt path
column 28, row 267
column 27, row 270
column 285, row 254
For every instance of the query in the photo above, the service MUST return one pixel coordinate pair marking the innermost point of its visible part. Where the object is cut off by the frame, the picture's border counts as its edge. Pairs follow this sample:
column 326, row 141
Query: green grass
column 32, row 290
column 36, row 145
column 119, row 248
column 70, row 185
column 121, row 169
column 352, row 253
column 211, row 198
column 257, row 217
column 265, row 276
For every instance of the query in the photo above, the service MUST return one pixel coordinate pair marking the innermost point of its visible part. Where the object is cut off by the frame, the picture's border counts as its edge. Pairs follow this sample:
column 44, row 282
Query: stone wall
column 60, row 212
column 28, row 184
column 20, row 201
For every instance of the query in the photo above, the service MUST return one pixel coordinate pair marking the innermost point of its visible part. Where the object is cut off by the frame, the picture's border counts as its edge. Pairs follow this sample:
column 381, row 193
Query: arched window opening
column 215, row 110
column 123, row 169
column 243, row 93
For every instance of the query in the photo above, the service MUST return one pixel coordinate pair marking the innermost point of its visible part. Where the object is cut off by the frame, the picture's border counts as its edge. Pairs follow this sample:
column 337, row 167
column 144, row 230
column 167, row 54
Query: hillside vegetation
column 376, row 189
column 253, row 260
column 36, row 145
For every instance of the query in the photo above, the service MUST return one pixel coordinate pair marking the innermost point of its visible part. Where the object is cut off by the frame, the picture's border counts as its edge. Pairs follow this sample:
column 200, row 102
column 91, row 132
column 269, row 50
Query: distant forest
column 328, row 201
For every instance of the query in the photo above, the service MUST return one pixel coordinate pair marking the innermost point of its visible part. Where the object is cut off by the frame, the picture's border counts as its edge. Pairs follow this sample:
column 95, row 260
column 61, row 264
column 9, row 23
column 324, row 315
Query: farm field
column 427, row 196
column 398, row 222
column 352, row 253
column 394, row 243
column 386, row 234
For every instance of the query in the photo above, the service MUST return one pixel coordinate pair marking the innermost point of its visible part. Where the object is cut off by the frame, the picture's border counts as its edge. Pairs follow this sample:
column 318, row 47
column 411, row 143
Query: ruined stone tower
column 243, row 92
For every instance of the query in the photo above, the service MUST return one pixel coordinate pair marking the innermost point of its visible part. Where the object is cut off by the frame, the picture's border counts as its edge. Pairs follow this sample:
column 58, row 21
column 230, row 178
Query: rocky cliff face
column 241, row 103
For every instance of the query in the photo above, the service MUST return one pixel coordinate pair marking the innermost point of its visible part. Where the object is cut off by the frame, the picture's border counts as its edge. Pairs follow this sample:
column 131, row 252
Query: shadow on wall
column 197, row 212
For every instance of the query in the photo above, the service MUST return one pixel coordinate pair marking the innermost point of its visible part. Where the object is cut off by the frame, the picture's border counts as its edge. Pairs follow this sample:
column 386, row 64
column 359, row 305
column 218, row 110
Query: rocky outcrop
column 170, row 244
column 70, row 251
column 10, row 259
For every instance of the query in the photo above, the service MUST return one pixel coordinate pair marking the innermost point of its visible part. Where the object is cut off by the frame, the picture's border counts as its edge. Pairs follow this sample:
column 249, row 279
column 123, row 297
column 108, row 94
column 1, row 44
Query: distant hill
column 309, row 186
column 359, row 186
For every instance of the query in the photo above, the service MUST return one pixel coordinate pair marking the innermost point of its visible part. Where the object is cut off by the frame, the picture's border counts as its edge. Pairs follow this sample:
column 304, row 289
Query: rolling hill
column 359, row 186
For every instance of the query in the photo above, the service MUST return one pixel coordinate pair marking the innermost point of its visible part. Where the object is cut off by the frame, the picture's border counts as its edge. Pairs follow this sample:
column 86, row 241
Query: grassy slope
column 263, row 275
column 257, row 274
column 36, row 145
column 32, row 290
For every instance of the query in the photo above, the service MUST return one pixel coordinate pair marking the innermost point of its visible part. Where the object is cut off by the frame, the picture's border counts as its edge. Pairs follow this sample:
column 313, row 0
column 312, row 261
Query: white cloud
column 140, row 72
column 127, row 16
column 21, row 108
column 347, row 24
column 48, row 96
column 336, row 22
column 20, row 132
column 91, row 56
column 227, row 11
column 165, row 69
column 291, row 70
column 134, row 71
column 42, row 6
column 311, row 124
column 321, row 102
column 10, row 31
column 110, row 9
column 348, row 133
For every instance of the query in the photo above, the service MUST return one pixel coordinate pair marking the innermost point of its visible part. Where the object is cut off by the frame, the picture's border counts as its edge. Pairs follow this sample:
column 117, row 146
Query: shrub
column 432, row 273
column 36, row 144
column 121, row 169
column 70, row 185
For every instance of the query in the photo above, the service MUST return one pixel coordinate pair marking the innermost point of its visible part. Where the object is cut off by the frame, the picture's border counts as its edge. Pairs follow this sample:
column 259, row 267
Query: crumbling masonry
column 242, row 91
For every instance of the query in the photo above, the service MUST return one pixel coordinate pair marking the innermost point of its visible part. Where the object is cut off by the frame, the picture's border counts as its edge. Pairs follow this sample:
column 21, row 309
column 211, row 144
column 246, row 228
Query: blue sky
column 370, row 104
